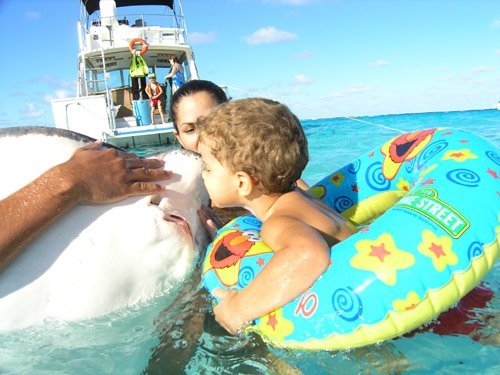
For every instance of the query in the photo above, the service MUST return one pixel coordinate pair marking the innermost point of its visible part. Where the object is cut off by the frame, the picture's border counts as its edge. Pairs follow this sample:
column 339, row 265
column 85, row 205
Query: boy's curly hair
column 260, row 137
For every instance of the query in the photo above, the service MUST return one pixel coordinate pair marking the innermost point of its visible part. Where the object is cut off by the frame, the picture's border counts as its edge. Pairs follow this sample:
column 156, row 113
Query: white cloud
column 32, row 111
column 54, row 81
column 355, row 89
column 58, row 94
column 33, row 15
column 304, row 55
column 482, row 69
column 495, row 23
column 269, row 34
column 456, row 78
column 289, row 2
column 302, row 79
column 202, row 38
column 352, row 89
column 498, row 51
column 379, row 63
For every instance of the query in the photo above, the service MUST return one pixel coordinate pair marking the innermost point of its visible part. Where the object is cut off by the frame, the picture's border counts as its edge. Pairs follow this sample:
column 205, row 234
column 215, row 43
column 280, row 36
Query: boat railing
column 118, row 31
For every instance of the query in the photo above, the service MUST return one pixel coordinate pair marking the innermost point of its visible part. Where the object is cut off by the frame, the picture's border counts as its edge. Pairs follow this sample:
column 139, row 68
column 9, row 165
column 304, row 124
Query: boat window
column 187, row 72
column 117, row 79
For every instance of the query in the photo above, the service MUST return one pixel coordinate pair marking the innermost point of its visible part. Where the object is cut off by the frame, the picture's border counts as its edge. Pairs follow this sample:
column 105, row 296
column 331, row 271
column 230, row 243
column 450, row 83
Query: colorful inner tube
column 428, row 207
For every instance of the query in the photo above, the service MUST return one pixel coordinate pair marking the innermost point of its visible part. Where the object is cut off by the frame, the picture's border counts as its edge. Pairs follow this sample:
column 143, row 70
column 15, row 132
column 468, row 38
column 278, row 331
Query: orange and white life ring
column 132, row 43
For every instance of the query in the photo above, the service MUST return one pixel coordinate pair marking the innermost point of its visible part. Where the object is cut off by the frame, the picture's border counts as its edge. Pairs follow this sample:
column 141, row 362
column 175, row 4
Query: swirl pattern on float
column 375, row 178
column 342, row 203
column 354, row 166
column 252, row 221
column 347, row 304
column 493, row 156
column 430, row 151
column 475, row 249
column 410, row 164
column 464, row 177
column 245, row 276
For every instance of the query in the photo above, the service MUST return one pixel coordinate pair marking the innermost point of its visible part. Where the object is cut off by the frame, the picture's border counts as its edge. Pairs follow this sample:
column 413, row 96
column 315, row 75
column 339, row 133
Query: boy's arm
column 302, row 255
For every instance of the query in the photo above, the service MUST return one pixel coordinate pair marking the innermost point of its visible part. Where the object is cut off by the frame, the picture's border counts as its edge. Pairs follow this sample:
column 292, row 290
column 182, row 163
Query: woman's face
column 189, row 109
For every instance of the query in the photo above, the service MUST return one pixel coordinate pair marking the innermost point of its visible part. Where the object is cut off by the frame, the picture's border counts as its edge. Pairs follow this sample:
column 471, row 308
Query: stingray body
column 97, row 258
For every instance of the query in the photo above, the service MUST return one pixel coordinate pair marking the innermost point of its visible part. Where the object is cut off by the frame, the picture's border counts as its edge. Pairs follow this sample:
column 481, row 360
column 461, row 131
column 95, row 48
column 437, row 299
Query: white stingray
column 97, row 258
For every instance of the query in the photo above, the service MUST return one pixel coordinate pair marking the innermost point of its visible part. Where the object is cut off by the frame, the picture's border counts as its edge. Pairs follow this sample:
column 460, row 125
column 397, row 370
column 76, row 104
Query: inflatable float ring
column 428, row 207
column 131, row 46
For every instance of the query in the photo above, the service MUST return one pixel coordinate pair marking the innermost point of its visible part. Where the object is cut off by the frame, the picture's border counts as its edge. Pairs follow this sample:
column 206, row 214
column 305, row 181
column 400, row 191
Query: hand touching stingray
column 93, row 174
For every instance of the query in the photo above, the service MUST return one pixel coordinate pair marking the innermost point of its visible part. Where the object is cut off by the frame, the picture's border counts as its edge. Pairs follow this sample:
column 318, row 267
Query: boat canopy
column 92, row 5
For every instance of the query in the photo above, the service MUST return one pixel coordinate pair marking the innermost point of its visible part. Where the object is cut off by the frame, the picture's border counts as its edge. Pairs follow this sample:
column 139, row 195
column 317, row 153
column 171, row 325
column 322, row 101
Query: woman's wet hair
column 194, row 87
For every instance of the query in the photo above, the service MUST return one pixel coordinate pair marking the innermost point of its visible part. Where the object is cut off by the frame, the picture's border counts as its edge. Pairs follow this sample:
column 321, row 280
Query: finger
column 131, row 162
column 145, row 174
column 144, row 188
column 130, row 155
column 207, row 223
column 211, row 215
column 155, row 163
column 97, row 145
column 220, row 293
column 141, row 163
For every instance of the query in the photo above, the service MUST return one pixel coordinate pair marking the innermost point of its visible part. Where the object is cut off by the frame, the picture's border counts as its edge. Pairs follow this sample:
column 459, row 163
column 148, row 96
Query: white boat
column 109, row 104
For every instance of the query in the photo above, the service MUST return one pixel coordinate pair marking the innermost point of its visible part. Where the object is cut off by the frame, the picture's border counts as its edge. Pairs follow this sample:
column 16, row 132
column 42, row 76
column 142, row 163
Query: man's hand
column 104, row 175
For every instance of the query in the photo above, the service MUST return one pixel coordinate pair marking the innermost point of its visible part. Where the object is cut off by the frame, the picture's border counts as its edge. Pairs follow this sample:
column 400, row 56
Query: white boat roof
column 93, row 5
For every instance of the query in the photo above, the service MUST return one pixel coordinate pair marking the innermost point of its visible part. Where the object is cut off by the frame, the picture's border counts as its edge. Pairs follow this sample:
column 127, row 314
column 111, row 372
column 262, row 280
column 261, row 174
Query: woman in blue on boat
column 176, row 73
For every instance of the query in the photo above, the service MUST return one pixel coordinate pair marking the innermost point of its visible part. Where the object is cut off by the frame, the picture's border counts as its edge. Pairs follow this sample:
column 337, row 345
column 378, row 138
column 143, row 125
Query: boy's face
column 218, row 179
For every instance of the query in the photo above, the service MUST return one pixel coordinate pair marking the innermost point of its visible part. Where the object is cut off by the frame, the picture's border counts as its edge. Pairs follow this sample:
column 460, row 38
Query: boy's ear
column 245, row 183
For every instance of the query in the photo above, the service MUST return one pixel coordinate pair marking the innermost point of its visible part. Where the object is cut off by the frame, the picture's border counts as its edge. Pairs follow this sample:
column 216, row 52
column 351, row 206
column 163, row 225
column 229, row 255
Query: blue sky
column 324, row 58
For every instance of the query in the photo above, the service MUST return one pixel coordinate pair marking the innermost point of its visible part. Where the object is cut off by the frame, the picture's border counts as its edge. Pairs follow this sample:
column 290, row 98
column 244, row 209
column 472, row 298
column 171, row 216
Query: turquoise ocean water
column 466, row 340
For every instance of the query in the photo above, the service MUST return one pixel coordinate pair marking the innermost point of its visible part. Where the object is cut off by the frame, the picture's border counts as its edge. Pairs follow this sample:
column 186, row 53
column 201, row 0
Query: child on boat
column 154, row 91
column 254, row 151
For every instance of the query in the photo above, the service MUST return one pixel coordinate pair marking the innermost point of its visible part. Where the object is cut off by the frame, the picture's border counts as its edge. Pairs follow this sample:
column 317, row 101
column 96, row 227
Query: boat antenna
column 184, row 24
column 175, row 14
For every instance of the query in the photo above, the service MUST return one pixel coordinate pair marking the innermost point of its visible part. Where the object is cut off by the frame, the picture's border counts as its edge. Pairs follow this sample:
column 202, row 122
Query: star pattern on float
column 459, row 155
column 382, row 257
column 411, row 301
column 275, row 325
column 438, row 249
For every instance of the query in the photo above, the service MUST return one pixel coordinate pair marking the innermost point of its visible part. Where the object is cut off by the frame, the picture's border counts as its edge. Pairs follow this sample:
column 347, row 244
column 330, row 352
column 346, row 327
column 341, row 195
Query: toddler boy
column 254, row 151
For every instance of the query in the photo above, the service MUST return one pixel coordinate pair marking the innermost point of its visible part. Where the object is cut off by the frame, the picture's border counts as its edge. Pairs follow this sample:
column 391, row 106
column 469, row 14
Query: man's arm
column 302, row 255
column 91, row 175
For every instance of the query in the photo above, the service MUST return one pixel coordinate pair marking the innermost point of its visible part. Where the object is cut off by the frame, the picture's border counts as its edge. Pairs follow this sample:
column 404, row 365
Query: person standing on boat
column 154, row 91
column 176, row 73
